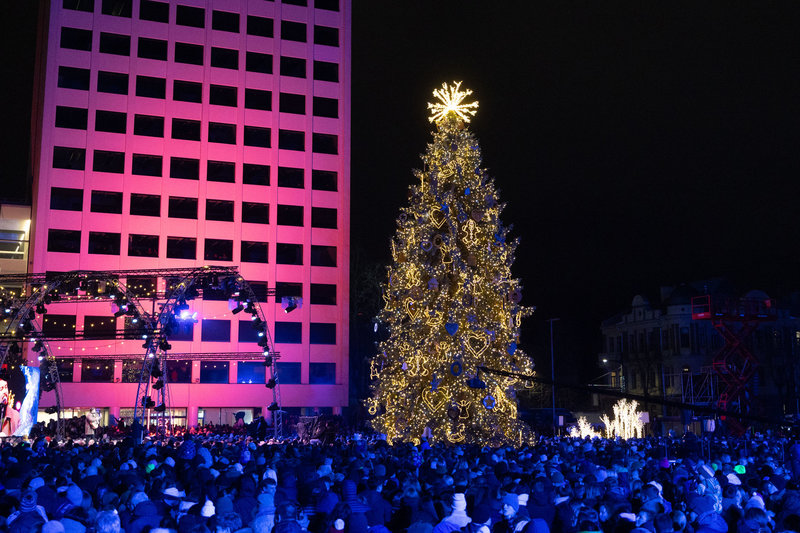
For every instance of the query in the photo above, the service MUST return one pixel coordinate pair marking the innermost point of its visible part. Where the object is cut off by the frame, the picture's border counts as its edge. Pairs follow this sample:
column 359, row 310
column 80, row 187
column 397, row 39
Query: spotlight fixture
column 268, row 360
column 273, row 407
column 263, row 341
column 51, row 410
column 158, row 385
column 251, row 308
column 164, row 345
column 155, row 369
column 38, row 346
column 270, row 384
column 123, row 309
column 257, row 321
column 148, row 403
column 290, row 303
column 160, row 408
column 238, row 309
column 40, row 308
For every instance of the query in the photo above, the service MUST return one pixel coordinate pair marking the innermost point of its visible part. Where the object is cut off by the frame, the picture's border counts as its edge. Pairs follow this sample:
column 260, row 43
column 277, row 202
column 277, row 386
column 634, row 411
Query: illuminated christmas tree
column 450, row 302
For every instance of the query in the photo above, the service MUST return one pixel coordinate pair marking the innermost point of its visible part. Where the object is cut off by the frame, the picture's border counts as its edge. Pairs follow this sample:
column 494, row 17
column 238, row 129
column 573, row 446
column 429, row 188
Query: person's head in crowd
column 107, row 522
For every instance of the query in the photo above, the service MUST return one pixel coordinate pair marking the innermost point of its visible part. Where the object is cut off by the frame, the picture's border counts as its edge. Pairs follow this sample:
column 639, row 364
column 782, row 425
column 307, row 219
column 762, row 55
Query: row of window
column 151, row 48
column 155, row 11
column 212, row 330
column 184, row 168
column 66, row 199
column 108, row 243
column 180, row 371
column 192, row 54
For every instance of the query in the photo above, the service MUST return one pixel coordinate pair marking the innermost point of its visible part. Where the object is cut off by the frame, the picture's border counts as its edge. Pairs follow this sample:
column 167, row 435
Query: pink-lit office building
column 182, row 133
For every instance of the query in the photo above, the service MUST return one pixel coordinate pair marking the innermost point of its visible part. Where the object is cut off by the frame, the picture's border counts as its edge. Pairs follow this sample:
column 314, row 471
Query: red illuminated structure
column 735, row 319
column 182, row 133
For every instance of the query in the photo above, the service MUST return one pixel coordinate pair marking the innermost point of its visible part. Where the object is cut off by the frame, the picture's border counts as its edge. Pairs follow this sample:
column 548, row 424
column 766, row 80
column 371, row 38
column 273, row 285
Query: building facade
column 182, row 133
column 658, row 349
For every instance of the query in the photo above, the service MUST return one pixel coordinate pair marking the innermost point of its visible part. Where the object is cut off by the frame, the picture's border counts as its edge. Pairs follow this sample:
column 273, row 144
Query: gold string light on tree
column 451, row 303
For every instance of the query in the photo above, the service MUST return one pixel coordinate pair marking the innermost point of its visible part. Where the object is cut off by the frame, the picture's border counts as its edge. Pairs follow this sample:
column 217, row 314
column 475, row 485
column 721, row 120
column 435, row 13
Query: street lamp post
column 553, row 372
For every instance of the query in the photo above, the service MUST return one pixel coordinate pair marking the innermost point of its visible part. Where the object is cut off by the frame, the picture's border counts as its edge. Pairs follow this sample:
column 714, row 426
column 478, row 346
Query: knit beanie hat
column 208, row 509
column 28, row 502
column 223, row 506
column 74, row 495
column 53, row 526
column 512, row 500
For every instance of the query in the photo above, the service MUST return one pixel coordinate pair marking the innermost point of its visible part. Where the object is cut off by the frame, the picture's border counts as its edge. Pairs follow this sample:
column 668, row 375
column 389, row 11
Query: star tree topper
column 451, row 100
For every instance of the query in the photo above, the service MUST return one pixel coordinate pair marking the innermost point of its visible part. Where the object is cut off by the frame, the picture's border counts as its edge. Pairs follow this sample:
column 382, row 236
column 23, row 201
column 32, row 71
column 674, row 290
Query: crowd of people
column 226, row 482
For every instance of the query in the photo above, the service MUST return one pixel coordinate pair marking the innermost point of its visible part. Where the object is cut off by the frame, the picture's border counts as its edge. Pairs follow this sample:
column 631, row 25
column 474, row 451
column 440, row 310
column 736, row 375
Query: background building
column 171, row 134
column 658, row 349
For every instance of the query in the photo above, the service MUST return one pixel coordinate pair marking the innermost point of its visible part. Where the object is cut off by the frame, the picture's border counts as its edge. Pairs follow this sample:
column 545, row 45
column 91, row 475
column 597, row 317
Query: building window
column 155, row 11
column 149, row 87
column 97, row 371
column 325, row 71
column 326, row 35
column 302, row 3
column 146, row 205
column 99, row 327
column 106, row 202
column 69, row 158
column 225, row 21
column 322, row 373
column 290, row 215
column 293, row 103
column 76, row 39
column 61, row 240
column 184, row 168
column 323, row 180
column 79, row 5
column 73, row 78
column 289, row 254
column 117, row 8
column 322, row 143
column 147, row 165
column 179, row 371
column 252, row 213
column 288, row 333
column 291, row 140
column 324, row 256
column 323, row 217
column 181, row 248
column 102, row 243
column 63, row 199
column 320, row 333
column 330, row 5
column 294, row 67
column 214, row 371
column 191, row 54
column 106, row 161
column 148, row 125
column 191, row 16
column 288, row 373
column 182, row 331
column 216, row 330
column 187, row 91
column 112, row 82
column 221, row 171
column 255, row 136
column 259, row 290
column 186, row 129
column 250, row 372
column 74, row 118
column 152, row 49
column 293, row 31
column 113, row 43
column 254, row 252
column 326, row 107
column 259, row 26
column 221, row 133
column 131, row 369
column 287, row 288
column 219, row 210
column 180, row 207
column 257, row 62
column 224, row 58
column 223, row 95
column 291, row 177
column 143, row 245
column 110, row 121
column 142, row 286
column 258, row 99
column 247, row 333
column 218, row 250
column 323, row 294
column 253, row 174
column 59, row 326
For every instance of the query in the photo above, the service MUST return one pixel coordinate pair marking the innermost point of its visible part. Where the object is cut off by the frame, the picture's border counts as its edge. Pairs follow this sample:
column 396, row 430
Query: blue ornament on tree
column 489, row 402
column 512, row 348
column 456, row 369
column 451, row 328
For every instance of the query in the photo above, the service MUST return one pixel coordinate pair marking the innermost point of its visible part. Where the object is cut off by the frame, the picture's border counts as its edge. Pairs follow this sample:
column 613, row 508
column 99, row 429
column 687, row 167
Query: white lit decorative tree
column 627, row 423
column 451, row 303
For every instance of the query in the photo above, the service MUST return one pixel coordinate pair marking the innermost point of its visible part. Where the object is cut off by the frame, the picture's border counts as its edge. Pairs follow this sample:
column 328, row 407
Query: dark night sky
column 635, row 144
